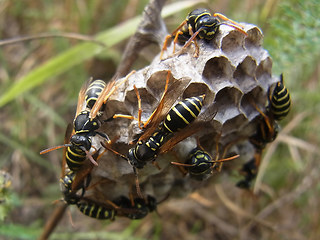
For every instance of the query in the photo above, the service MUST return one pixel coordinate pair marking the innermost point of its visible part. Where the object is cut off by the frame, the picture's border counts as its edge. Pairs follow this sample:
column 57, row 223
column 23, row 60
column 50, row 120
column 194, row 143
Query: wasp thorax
column 82, row 123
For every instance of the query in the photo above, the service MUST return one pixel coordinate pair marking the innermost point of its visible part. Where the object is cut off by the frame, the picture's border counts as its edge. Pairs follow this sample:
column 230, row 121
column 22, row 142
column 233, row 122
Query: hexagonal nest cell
column 232, row 70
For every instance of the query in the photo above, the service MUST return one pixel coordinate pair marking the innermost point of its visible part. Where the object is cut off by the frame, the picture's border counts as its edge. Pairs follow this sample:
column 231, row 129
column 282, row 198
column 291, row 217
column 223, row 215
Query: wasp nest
column 232, row 70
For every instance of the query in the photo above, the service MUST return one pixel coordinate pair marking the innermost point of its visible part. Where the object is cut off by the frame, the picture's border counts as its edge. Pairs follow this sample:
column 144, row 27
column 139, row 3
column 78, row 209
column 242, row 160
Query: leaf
column 81, row 52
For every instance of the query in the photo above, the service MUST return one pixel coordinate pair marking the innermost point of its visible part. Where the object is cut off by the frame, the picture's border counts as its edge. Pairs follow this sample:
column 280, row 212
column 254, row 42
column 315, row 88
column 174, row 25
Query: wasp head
column 81, row 141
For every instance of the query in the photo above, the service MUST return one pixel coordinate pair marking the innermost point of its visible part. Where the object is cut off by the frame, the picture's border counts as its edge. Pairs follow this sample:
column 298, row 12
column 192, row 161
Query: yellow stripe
column 165, row 125
column 73, row 161
column 189, row 110
column 76, row 154
column 98, row 212
column 201, row 15
column 283, row 112
column 194, row 104
column 281, row 106
column 282, row 90
column 179, row 114
column 95, row 86
column 280, row 99
column 91, row 210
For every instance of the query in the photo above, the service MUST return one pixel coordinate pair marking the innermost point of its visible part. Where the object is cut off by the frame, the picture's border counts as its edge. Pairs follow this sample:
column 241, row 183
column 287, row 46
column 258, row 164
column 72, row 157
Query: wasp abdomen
column 280, row 101
column 182, row 114
column 75, row 158
column 93, row 92
column 96, row 211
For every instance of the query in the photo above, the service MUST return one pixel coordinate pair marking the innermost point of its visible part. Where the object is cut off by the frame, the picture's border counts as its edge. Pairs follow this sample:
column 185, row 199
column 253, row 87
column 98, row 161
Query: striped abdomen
column 66, row 188
column 75, row 158
column 182, row 114
column 280, row 100
column 66, row 181
column 96, row 211
column 93, row 92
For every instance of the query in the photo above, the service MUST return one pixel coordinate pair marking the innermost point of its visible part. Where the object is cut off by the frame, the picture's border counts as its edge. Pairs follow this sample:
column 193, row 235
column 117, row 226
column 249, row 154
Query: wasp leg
column 139, row 112
column 164, row 46
column 192, row 39
column 174, row 33
column 266, row 118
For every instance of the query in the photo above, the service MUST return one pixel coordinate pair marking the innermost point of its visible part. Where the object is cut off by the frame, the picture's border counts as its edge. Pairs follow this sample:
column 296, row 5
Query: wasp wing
column 169, row 97
column 64, row 152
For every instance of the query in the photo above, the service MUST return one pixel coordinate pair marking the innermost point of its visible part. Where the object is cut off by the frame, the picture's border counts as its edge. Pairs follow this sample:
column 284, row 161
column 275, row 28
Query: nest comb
column 232, row 70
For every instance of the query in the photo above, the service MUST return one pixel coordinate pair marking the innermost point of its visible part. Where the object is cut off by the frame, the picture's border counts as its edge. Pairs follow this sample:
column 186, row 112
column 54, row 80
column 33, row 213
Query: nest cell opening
column 217, row 68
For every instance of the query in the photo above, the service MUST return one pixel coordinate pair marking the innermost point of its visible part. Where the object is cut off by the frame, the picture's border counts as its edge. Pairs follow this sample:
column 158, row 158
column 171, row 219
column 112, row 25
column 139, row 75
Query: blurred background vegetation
column 40, row 81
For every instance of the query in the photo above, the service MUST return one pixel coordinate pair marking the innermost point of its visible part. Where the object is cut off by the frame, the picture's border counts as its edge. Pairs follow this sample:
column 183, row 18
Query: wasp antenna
column 192, row 38
column 227, row 159
column 54, row 148
column 115, row 152
column 235, row 27
column 89, row 156
column 182, row 164
column 135, row 171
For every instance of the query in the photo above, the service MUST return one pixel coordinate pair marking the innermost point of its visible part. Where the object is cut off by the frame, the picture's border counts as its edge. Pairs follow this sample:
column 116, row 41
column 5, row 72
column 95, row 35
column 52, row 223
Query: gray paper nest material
column 230, row 70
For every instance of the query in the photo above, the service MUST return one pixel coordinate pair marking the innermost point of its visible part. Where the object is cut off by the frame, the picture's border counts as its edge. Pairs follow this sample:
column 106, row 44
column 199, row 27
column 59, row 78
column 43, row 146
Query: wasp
column 279, row 103
column 278, row 107
column 202, row 24
column 83, row 126
column 200, row 164
column 180, row 116
column 72, row 181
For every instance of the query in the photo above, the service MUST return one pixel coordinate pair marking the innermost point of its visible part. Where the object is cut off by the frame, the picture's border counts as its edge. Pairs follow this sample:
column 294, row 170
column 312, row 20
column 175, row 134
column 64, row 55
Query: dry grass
column 286, row 201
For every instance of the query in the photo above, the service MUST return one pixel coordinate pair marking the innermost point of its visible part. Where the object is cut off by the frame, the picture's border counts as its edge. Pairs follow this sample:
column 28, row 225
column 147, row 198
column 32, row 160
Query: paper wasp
column 72, row 181
column 279, row 103
column 83, row 127
column 200, row 164
column 199, row 23
column 277, row 109
column 180, row 116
